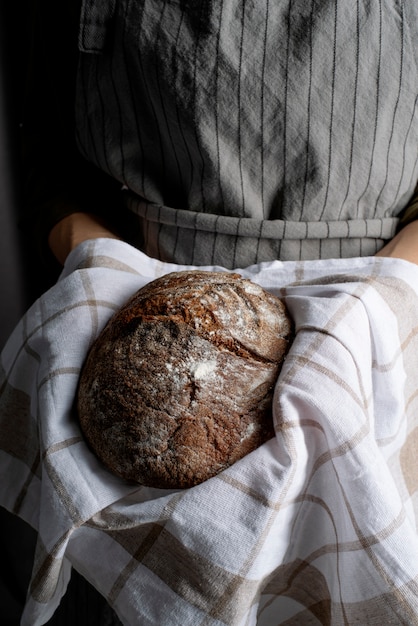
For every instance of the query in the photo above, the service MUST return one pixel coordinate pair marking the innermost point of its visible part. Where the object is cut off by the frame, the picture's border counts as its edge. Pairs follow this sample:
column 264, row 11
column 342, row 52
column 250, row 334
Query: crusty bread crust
column 179, row 384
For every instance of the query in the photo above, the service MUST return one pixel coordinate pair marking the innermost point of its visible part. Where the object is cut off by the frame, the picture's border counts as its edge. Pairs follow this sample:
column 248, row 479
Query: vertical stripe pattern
column 288, row 111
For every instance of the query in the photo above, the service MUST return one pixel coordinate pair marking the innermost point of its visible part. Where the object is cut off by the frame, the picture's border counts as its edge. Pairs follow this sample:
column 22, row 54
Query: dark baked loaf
column 179, row 384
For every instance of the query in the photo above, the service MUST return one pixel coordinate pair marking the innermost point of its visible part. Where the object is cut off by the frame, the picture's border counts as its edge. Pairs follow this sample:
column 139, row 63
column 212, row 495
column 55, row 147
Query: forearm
column 404, row 245
column 73, row 230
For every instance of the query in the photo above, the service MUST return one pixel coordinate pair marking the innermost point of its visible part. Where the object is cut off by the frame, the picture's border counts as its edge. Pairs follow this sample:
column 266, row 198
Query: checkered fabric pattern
column 317, row 526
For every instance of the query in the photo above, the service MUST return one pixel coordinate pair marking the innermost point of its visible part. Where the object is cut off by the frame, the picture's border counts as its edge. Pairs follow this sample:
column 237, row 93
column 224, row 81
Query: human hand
column 73, row 230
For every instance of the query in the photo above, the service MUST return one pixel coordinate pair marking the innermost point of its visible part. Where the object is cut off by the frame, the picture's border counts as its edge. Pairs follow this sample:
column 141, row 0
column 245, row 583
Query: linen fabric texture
column 251, row 131
column 317, row 526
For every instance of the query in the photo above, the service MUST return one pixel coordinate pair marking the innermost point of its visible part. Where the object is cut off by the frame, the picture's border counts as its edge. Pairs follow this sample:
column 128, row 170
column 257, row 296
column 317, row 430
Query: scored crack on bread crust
column 179, row 384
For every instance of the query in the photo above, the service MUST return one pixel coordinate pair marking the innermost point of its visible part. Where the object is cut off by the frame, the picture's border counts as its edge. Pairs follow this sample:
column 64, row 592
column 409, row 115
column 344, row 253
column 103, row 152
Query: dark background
column 22, row 280
column 16, row 539
column 13, row 40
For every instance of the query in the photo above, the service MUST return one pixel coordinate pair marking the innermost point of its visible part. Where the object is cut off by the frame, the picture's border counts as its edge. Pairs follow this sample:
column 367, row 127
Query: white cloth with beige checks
column 318, row 526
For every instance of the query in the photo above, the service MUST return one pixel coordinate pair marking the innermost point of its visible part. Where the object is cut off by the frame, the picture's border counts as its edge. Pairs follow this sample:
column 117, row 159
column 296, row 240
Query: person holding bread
column 223, row 133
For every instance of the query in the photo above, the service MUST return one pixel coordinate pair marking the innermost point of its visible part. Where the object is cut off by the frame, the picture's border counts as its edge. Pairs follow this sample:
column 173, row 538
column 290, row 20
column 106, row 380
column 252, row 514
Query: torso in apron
column 247, row 131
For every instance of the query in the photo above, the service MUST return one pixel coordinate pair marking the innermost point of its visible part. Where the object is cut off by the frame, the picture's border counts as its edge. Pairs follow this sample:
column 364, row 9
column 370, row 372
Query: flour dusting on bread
column 179, row 384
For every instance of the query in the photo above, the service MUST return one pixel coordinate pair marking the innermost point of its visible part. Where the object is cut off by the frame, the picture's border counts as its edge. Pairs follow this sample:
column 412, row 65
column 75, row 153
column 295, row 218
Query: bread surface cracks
column 187, row 388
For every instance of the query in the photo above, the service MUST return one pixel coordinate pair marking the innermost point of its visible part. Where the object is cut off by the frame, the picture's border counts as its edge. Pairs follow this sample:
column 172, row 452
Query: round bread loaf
column 179, row 384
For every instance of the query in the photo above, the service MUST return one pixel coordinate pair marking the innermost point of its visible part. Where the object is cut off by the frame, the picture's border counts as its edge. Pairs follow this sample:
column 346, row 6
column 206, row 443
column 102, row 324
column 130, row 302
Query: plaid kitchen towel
column 317, row 526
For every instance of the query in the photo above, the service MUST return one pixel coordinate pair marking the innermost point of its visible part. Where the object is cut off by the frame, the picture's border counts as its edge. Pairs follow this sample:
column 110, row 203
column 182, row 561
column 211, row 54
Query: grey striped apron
column 244, row 131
